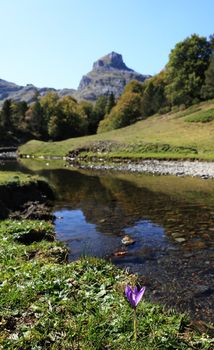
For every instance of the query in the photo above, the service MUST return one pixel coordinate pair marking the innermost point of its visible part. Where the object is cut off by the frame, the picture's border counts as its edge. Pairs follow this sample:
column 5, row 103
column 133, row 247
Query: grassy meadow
column 180, row 134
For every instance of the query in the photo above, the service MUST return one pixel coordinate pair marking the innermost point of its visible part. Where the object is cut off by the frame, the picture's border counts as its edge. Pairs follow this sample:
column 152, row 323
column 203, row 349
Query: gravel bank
column 162, row 167
column 8, row 155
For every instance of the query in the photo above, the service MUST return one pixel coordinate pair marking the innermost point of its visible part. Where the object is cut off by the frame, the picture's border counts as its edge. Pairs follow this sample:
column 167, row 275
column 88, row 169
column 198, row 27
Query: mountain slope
column 109, row 74
column 16, row 92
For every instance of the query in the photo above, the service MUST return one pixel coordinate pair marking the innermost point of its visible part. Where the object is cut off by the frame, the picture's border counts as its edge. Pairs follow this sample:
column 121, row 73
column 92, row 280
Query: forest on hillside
column 187, row 79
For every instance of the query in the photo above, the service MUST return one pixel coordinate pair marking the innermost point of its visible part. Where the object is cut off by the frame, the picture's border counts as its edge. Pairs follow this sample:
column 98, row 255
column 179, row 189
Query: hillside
column 182, row 134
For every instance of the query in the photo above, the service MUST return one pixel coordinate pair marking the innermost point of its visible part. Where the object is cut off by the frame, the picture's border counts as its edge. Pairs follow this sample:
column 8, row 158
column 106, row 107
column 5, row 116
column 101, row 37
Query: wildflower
column 134, row 297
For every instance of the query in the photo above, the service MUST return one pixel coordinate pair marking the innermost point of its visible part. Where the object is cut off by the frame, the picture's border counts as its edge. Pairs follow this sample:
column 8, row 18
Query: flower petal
column 128, row 293
column 139, row 295
column 128, row 290
column 130, row 296
column 135, row 290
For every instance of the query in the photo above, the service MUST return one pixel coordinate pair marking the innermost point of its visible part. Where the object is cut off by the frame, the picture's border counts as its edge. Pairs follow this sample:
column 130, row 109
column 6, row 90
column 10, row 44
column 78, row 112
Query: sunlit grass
column 171, row 129
column 10, row 177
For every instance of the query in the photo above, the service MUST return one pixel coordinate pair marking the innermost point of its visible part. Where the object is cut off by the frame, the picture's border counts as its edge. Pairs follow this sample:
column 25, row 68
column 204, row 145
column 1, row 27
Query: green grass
column 10, row 177
column 28, row 230
column 201, row 117
column 170, row 129
column 45, row 304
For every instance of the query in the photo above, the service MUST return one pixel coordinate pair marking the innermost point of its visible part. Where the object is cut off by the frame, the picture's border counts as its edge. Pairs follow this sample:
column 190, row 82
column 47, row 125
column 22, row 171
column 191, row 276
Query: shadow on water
column 170, row 220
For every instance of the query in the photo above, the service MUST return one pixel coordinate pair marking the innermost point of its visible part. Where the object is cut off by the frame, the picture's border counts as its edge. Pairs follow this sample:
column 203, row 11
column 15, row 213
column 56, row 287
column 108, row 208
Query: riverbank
column 149, row 163
column 194, row 168
column 47, row 303
column 23, row 195
column 8, row 153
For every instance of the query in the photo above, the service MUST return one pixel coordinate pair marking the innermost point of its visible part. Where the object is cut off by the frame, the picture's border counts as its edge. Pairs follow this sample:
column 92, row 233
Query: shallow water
column 169, row 218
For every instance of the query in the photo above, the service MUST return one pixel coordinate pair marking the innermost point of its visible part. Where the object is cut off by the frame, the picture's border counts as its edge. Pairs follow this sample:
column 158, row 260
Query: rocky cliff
column 26, row 93
column 109, row 74
column 15, row 92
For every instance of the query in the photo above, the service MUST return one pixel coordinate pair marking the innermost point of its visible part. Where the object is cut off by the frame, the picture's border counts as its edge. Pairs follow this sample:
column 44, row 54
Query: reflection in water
column 170, row 219
column 81, row 236
column 173, row 233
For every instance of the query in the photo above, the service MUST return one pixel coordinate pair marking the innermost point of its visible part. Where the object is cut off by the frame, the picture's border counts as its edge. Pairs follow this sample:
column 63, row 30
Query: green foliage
column 110, row 103
column 12, row 120
column 86, row 112
column 28, row 230
column 49, row 104
column 6, row 115
column 50, row 305
column 126, row 112
column 185, row 72
column 134, row 86
column 66, row 121
column 201, row 117
column 208, row 87
column 154, row 98
column 19, row 110
column 171, row 129
column 98, row 113
column 35, row 120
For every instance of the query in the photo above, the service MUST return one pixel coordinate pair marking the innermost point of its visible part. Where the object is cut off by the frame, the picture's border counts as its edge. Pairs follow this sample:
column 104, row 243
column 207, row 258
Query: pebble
column 180, row 239
column 127, row 240
column 202, row 169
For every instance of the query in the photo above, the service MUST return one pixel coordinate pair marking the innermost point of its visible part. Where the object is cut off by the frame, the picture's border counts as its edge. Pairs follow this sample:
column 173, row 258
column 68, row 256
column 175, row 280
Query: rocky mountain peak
column 111, row 61
column 108, row 75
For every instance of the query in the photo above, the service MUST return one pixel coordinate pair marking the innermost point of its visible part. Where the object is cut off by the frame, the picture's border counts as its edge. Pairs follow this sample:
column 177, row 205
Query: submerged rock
column 180, row 239
column 120, row 253
column 127, row 240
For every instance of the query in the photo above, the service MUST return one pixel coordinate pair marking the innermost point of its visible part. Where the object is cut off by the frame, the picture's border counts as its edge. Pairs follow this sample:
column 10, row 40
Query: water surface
column 169, row 218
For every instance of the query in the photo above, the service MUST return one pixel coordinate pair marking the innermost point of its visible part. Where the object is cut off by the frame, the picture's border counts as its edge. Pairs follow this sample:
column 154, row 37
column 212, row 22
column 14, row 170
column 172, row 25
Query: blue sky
column 54, row 42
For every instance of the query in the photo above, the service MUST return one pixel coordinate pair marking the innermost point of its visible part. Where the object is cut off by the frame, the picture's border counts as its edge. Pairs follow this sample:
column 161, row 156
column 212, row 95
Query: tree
column 127, row 111
column 19, row 110
column 49, row 104
column 135, row 86
column 185, row 72
column 35, row 120
column 154, row 95
column 99, row 112
column 66, row 122
column 6, row 115
column 208, row 87
column 86, row 112
column 110, row 103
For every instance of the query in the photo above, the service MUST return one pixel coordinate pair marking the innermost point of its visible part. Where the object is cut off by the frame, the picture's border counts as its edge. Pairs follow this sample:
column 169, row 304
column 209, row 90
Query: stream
column 169, row 219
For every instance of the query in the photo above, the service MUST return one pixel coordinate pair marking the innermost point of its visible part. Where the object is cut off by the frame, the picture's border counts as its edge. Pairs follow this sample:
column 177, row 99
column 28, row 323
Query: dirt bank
column 25, row 199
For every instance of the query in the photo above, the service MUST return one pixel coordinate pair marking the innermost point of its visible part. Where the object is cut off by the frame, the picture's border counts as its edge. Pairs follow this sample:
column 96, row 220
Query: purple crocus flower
column 133, row 296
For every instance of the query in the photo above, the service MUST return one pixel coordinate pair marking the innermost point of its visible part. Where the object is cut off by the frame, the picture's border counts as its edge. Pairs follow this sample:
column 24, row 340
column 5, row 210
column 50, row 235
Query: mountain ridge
column 109, row 74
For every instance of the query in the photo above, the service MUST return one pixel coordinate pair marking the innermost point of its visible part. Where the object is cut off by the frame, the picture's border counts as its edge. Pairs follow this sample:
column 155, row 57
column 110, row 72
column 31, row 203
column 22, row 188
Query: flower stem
column 135, row 325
